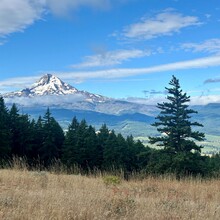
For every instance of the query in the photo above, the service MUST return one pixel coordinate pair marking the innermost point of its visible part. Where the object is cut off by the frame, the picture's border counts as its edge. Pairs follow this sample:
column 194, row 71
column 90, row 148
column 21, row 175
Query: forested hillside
column 43, row 141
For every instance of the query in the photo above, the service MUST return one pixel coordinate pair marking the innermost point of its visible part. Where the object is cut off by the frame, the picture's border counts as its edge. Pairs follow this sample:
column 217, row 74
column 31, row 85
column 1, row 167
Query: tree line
column 43, row 140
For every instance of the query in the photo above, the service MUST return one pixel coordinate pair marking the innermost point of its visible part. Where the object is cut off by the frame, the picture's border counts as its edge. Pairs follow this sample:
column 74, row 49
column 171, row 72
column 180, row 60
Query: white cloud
column 115, row 73
column 204, row 100
column 121, row 73
column 209, row 46
column 194, row 100
column 111, row 58
column 165, row 23
column 50, row 100
column 13, row 84
column 16, row 15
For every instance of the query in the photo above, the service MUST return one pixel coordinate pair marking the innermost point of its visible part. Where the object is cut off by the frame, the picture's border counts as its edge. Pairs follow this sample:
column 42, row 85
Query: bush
column 112, row 180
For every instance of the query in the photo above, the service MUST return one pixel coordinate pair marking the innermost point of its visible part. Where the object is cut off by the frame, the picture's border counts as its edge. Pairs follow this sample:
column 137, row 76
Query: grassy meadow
column 44, row 195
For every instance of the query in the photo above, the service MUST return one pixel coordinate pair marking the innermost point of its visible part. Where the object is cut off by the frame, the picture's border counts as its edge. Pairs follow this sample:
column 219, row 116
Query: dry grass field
column 36, row 195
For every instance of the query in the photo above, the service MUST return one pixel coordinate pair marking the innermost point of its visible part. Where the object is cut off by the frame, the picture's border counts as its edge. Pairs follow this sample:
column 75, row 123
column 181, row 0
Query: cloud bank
column 165, row 23
column 194, row 100
column 111, row 58
column 50, row 100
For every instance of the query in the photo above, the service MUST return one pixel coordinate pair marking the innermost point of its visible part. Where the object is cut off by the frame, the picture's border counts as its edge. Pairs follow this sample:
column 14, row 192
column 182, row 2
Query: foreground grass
column 42, row 195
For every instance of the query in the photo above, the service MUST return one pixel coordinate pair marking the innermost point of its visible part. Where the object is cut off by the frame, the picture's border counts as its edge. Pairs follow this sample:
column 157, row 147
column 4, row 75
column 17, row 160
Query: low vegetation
column 40, row 195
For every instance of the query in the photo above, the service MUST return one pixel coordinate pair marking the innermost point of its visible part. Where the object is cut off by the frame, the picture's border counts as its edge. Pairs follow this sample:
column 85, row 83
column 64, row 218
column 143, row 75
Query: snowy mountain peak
column 52, row 85
column 47, row 78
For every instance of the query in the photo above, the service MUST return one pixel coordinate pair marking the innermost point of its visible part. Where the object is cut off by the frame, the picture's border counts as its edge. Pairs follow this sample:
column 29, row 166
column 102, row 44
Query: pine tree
column 135, row 150
column 110, row 153
column 70, row 151
column 38, row 138
column 102, row 135
column 92, row 148
column 21, row 135
column 15, row 130
column 174, row 122
column 53, row 138
column 81, row 146
column 116, row 152
column 5, row 134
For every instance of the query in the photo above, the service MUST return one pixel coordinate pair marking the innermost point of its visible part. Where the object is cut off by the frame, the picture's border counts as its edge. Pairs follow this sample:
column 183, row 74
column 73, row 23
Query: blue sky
column 118, row 48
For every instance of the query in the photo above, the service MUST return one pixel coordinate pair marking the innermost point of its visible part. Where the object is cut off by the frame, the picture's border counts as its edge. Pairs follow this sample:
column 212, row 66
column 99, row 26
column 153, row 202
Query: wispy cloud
column 16, row 15
column 111, row 58
column 116, row 73
column 153, row 92
column 146, row 101
column 121, row 73
column 211, row 46
column 164, row 23
column 216, row 80
column 12, row 84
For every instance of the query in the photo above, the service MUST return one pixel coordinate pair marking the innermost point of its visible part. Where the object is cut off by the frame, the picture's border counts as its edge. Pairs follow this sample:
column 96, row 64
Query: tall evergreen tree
column 174, row 122
column 102, row 135
column 21, row 132
column 37, row 138
column 92, row 149
column 115, row 155
column 81, row 146
column 5, row 134
column 135, row 151
column 70, row 151
column 53, row 138
column 15, row 130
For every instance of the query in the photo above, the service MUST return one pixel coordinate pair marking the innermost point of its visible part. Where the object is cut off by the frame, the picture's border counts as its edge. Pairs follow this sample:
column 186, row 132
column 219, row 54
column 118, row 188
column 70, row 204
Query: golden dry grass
column 28, row 195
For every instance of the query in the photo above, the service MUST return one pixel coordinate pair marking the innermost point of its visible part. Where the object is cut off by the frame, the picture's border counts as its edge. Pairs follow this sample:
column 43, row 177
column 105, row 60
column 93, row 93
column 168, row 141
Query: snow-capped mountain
column 52, row 85
column 50, row 91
